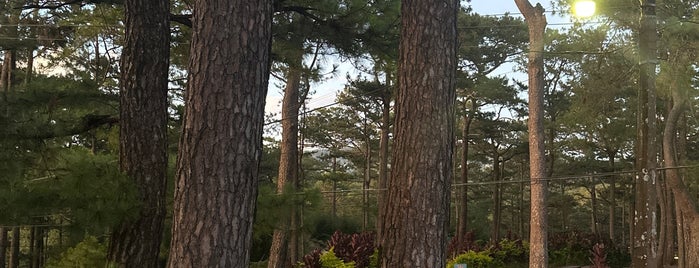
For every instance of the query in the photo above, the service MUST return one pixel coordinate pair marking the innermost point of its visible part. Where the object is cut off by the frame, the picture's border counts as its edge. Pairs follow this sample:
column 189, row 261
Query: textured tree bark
column 416, row 211
column 221, row 143
column 288, row 168
column 644, row 245
column 536, row 22
column 135, row 242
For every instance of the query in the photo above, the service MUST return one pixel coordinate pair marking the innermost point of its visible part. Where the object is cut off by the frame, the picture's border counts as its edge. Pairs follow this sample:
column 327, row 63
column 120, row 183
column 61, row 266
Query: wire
column 599, row 176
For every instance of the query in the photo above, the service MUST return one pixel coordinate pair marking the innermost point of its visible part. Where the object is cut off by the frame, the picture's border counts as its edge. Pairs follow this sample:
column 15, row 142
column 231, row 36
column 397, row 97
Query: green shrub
column 87, row 254
column 509, row 251
column 473, row 259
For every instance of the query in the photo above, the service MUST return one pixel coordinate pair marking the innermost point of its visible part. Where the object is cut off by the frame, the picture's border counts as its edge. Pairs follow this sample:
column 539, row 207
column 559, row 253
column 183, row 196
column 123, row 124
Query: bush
column 509, row 251
column 357, row 249
column 463, row 244
column 86, row 254
column 473, row 259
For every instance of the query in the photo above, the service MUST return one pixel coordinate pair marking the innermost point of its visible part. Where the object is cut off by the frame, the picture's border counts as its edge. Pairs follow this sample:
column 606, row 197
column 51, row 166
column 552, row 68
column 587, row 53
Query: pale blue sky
column 326, row 91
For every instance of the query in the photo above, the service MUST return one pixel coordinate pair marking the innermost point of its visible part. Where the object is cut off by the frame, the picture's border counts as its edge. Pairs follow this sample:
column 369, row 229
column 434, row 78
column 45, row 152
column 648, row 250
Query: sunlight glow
column 584, row 8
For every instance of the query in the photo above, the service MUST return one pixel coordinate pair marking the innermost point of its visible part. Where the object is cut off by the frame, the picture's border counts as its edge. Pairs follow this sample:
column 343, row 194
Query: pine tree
column 220, row 147
column 416, row 211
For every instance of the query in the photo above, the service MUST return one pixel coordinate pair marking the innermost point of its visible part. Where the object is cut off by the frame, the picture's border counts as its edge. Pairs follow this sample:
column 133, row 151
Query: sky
column 326, row 91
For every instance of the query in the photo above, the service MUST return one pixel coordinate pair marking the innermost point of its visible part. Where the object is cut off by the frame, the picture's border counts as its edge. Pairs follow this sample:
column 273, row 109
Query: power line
column 598, row 176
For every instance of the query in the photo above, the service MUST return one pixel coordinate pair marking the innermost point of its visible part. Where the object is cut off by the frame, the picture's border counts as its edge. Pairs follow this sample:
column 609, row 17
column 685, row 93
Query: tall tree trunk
column 221, row 143
column 612, row 196
column 7, row 71
column 593, row 204
column 497, row 206
column 383, row 152
column 279, row 253
column 3, row 246
column 686, row 210
column 416, row 212
column 536, row 22
column 135, row 242
column 29, row 72
column 14, row 247
column 367, row 176
column 462, row 221
column 645, row 247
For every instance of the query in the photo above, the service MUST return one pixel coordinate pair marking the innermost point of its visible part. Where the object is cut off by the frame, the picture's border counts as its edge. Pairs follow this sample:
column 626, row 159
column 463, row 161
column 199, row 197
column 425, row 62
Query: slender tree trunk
column 279, row 253
column 3, row 246
column 416, row 212
column 383, row 153
column 14, row 247
column 30, row 66
column 334, row 194
column 8, row 68
column 367, row 176
column 143, row 131
column 593, row 203
column 662, row 201
column 497, row 206
column 645, row 240
column 462, row 221
column 686, row 209
column 221, row 142
column 612, row 197
column 536, row 22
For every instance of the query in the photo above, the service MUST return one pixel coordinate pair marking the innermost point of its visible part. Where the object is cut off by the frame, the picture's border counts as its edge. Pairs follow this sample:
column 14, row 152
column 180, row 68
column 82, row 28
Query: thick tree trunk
column 416, row 212
column 221, row 143
column 143, row 119
column 279, row 255
column 536, row 22
column 645, row 241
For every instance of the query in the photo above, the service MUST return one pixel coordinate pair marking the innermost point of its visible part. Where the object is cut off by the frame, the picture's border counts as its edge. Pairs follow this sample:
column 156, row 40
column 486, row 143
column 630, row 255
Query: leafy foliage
column 357, row 249
column 459, row 245
column 599, row 257
column 86, row 254
column 329, row 260
column 472, row 259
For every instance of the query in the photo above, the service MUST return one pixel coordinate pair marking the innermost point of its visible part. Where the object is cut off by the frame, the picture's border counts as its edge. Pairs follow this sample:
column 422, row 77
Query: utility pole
column 645, row 239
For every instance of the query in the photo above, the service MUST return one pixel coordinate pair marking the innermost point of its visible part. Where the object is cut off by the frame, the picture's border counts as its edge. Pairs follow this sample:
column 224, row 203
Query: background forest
column 63, row 193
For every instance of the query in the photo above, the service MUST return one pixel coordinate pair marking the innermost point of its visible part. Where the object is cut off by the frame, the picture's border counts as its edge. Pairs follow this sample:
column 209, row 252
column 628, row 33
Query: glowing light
column 584, row 8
